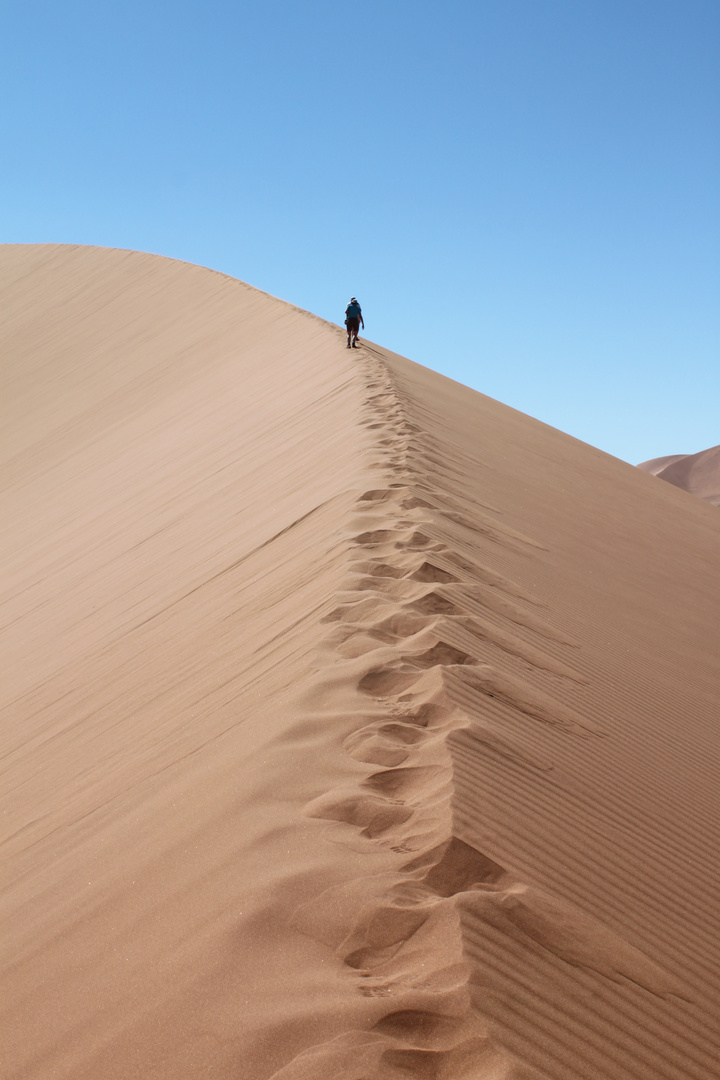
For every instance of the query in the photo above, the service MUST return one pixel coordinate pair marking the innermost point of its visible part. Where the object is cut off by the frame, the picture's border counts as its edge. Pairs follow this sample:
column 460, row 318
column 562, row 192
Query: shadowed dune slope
column 356, row 726
column 698, row 474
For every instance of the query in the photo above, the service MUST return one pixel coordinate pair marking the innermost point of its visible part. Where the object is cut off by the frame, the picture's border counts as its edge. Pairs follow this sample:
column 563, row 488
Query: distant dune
column 356, row 726
column 699, row 474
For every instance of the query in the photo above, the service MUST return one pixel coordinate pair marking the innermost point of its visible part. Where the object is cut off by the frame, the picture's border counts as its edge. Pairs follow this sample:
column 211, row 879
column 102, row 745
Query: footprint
column 351, row 643
column 433, row 603
column 473, row 1058
column 414, row 502
column 380, row 495
column 407, row 734
column 372, row 815
column 402, row 626
column 417, row 539
column 373, row 747
column 375, row 991
column 427, row 571
column 423, row 1029
column 456, row 867
column 428, row 714
column 378, row 536
column 389, row 743
column 382, row 930
column 406, row 782
column 386, row 681
column 442, row 654
column 375, row 568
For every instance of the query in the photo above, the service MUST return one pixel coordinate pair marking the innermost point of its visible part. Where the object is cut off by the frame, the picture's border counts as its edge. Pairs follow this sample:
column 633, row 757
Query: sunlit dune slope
column 357, row 727
column 699, row 474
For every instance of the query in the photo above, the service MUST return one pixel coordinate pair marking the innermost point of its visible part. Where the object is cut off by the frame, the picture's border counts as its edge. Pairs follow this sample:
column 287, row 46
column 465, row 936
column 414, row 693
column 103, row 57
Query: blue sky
column 523, row 194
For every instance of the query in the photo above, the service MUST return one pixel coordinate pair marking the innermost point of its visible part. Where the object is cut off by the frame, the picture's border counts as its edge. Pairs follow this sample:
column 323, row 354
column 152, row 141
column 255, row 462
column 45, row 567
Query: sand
column 356, row 726
column 698, row 474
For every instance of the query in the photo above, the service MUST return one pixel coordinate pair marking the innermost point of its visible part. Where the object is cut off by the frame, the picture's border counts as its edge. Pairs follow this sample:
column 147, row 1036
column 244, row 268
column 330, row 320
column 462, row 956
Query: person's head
column 353, row 300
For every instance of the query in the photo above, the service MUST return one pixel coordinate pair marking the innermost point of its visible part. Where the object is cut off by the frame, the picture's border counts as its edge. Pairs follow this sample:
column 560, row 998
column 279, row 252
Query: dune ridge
column 698, row 474
column 416, row 617
column 386, row 716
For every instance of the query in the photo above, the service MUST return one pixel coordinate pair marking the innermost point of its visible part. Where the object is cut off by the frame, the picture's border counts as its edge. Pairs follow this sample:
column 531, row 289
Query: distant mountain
column 699, row 474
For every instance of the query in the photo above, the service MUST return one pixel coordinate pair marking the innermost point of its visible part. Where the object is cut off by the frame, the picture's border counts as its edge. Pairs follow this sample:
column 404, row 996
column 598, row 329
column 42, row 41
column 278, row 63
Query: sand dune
column 357, row 727
column 698, row 474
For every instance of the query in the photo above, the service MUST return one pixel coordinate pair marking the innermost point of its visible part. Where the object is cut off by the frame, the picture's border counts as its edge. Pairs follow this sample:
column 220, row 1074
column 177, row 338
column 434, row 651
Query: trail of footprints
column 410, row 630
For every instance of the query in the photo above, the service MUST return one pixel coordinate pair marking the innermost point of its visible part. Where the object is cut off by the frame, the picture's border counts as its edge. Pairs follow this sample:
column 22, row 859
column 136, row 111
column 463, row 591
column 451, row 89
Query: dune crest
column 357, row 726
column 698, row 474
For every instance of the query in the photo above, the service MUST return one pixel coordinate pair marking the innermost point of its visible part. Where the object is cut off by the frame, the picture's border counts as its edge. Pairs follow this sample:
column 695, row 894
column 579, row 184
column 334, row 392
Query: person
column 353, row 318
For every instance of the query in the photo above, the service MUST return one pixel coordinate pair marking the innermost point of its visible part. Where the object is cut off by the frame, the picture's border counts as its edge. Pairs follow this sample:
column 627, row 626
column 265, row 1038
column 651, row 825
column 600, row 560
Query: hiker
column 353, row 318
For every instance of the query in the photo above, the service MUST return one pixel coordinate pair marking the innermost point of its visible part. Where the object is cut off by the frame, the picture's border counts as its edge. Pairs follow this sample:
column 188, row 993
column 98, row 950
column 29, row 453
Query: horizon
column 522, row 200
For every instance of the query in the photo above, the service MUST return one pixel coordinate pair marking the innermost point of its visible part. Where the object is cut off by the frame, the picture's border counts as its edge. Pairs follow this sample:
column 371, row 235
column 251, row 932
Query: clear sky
column 523, row 194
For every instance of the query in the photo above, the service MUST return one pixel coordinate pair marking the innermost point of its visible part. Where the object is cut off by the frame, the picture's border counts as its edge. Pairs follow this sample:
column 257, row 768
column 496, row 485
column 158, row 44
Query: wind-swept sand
column 357, row 727
column 698, row 474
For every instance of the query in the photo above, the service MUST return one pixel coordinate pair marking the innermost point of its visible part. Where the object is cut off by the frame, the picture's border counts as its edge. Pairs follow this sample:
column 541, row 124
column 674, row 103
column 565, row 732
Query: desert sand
column 356, row 726
column 698, row 474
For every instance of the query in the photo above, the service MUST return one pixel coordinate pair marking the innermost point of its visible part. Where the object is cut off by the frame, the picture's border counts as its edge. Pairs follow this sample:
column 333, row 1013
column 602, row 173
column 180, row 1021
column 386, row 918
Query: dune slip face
column 358, row 727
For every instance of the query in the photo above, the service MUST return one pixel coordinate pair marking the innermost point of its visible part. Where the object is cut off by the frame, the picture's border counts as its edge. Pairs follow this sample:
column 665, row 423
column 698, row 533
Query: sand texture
column 698, row 474
column 356, row 726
